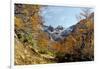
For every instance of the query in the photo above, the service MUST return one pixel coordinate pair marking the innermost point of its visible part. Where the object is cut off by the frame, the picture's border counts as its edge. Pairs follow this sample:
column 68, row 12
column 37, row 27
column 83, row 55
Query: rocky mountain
column 57, row 33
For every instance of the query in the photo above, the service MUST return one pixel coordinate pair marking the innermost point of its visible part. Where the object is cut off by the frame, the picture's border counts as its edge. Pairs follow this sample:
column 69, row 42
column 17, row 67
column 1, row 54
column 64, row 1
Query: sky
column 60, row 15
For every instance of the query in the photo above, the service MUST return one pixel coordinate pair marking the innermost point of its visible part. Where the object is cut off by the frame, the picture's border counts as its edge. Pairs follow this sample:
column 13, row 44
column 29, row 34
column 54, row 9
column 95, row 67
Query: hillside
column 36, row 43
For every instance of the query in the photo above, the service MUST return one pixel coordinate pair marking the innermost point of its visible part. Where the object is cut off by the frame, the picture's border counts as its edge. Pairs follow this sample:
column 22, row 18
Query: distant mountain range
column 57, row 33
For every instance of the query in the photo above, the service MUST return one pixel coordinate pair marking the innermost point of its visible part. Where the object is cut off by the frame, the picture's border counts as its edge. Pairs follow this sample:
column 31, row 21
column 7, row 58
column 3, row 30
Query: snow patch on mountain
column 57, row 33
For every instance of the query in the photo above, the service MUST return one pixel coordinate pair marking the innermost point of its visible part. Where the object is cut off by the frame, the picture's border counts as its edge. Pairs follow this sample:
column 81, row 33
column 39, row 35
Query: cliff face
column 33, row 45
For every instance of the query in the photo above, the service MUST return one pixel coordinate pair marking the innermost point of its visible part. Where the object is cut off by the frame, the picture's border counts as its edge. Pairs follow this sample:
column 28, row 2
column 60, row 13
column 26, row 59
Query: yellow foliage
column 18, row 22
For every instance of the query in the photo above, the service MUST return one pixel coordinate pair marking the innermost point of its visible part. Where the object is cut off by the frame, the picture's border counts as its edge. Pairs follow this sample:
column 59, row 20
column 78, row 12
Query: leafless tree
column 86, row 12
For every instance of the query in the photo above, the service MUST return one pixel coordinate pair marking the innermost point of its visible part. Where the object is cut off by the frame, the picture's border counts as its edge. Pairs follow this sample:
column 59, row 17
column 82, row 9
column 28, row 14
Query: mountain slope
column 80, row 41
